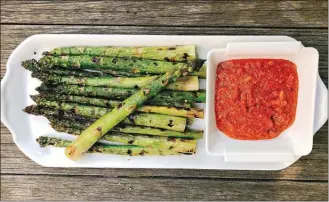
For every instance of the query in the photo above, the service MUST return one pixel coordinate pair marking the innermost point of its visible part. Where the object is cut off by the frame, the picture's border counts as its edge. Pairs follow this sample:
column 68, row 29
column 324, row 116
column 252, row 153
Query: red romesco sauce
column 255, row 99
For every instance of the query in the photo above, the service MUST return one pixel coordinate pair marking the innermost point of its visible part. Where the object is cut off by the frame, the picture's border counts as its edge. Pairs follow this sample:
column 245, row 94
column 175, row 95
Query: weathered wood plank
column 102, row 188
column 311, row 167
column 13, row 35
column 257, row 13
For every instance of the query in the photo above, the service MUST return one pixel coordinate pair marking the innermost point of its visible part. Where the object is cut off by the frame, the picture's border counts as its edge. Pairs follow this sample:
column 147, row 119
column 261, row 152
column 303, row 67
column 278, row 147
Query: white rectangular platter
column 17, row 85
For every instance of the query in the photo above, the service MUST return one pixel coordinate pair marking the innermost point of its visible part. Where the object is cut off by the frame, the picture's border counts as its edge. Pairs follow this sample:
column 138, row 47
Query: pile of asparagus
column 83, row 84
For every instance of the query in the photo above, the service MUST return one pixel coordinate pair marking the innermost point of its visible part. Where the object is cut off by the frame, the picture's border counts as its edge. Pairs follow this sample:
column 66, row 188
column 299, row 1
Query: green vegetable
column 70, row 123
column 49, row 112
column 165, row 143
column 141, row 119
column 165, row 98
column 116, row 63
column 188, row 83
column 95, row 131
column 32, row 65
column 184, row 112
column 171, row 53
column 130, row 150
column 179, row 97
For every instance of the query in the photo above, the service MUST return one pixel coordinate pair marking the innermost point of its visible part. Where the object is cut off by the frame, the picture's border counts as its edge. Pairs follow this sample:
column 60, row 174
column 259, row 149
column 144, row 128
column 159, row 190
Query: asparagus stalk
column 32, row 65
column 115, row 72
column 164, row 143
column 184, row 112
column 49, row 112
column 188, row 83
column 130, row 150
column 67, row 119
column 69, row 123
column 116, row 63
column 115, row 93
column 179, row 97
column 166, row 98
column 95, row 131
column 171, row 53
column 141, row 119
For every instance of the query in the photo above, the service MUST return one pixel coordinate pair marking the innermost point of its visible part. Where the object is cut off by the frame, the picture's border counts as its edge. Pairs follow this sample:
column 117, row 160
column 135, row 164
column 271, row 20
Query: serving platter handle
column 3, row 106
column 321, row 105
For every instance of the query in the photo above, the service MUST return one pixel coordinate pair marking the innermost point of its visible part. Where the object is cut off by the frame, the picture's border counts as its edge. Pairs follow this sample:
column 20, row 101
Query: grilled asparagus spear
column 70, row 123
column 188, row 83
column 95, row 131
column 32, row 65
column 170, row 53
column 184, row 112
column 167, row 53
column 165, row 143
column 130, row 150
column 116, row 63
column 141, row 119
column 69, row 119
column 50, row 112
column 166, row 98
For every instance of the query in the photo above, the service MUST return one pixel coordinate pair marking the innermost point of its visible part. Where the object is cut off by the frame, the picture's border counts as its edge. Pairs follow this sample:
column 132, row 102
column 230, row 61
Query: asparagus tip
column 32, row 109
column 34, row 97
column 28, row 109
column 197, row 64
column 30, row 64
column 42, row 140
column 38, row 88
column 43, row 87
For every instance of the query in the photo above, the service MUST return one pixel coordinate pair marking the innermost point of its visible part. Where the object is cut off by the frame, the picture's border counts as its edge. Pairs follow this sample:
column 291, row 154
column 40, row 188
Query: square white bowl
column 298, row 138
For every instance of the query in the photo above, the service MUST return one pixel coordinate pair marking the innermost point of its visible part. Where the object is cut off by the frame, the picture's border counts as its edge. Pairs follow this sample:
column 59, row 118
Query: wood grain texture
column 13, row 35
column 93, row 188
column 257, row 13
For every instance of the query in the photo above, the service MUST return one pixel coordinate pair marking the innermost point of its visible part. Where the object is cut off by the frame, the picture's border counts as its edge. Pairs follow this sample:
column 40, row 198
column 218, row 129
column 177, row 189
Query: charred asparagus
column 130, row 150
column 141, row 119
column 69, row 123
column 184, row 112
column 165, row 143
column 116, row 63
column 95, row 131
column 170, row 53
column 166, row 98
column 188, row 83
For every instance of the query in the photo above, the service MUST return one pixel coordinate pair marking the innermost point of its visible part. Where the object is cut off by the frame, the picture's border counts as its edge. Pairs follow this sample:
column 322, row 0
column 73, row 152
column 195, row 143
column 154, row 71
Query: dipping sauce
column 255, row 99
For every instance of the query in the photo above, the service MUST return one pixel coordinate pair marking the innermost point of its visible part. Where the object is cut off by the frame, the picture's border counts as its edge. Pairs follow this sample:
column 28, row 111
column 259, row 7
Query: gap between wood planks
column 232, row 179
column 100, row 188
column 163, row 13
column 169, row 26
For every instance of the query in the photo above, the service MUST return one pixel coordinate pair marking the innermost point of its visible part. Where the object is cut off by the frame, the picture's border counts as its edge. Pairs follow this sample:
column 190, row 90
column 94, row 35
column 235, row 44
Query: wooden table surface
column 307, row 21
